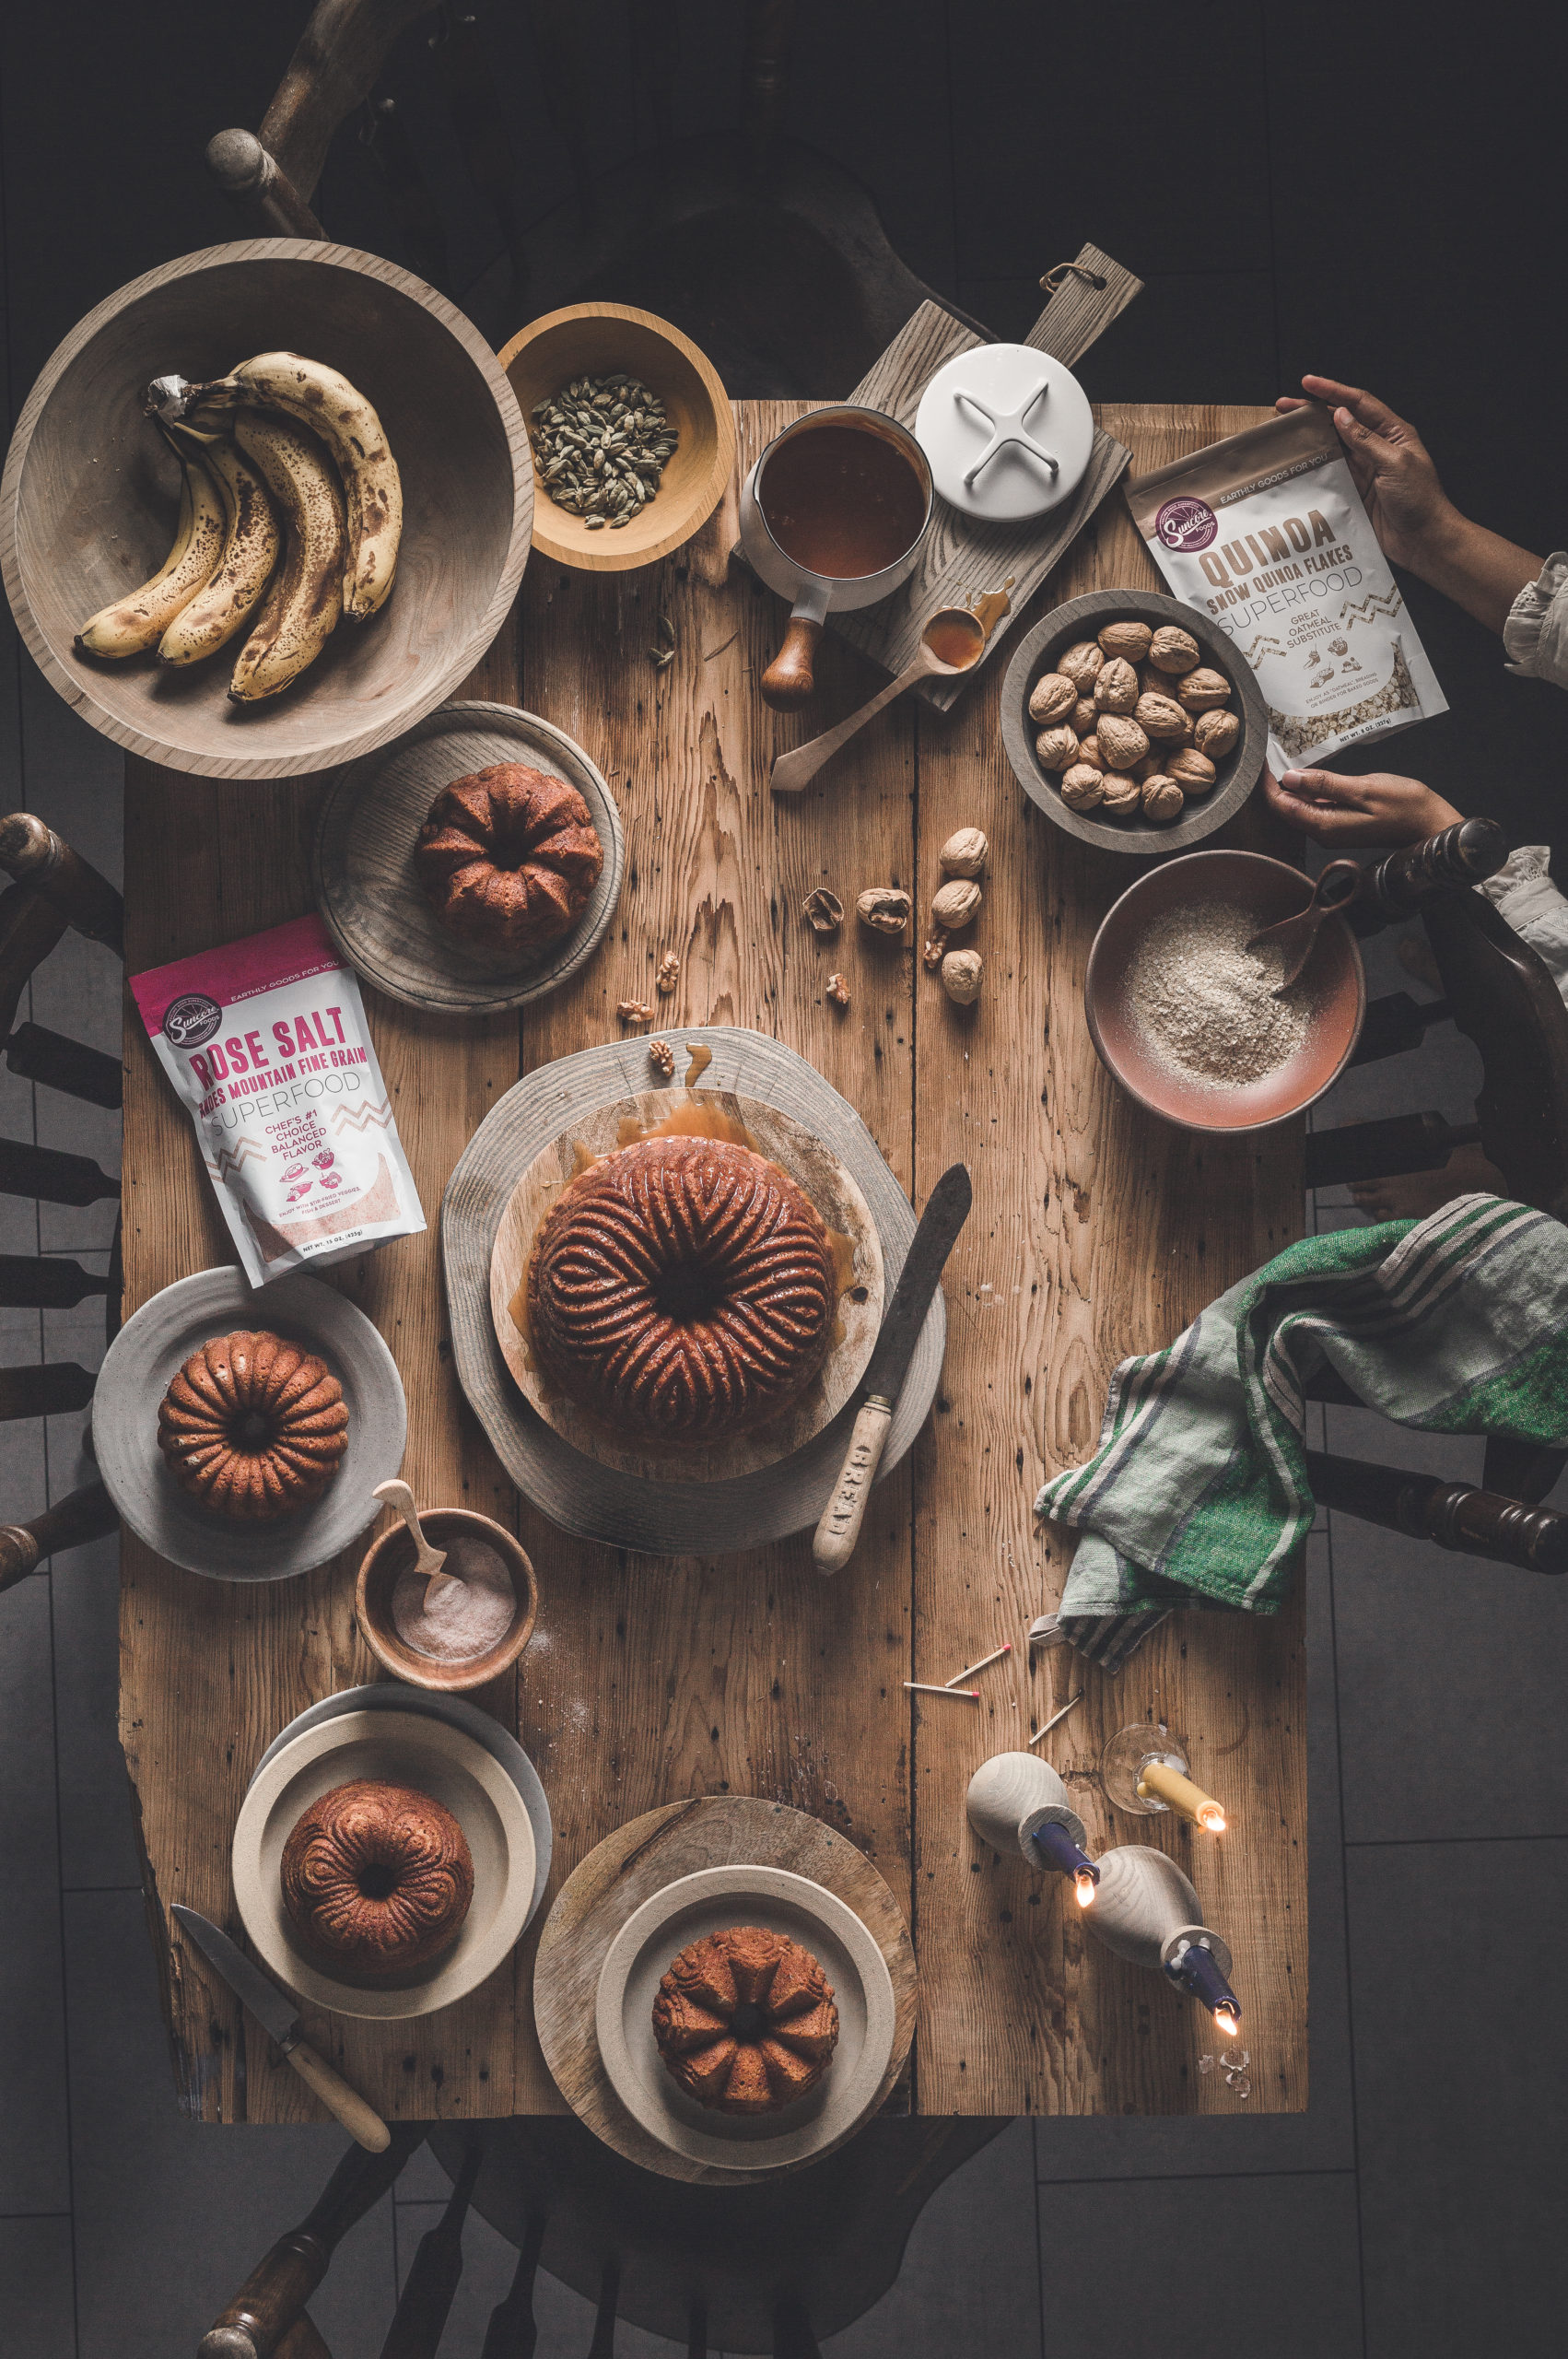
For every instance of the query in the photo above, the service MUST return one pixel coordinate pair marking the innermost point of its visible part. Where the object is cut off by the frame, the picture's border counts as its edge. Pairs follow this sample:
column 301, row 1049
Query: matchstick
column 984, row 1664
column 1056, row 1717
column 959, row 1694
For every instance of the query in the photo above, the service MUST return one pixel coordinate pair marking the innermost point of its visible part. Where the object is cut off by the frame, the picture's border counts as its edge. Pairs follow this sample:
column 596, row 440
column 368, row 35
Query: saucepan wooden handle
column 361, row 2121
column 842, row 1516
column 787, row 684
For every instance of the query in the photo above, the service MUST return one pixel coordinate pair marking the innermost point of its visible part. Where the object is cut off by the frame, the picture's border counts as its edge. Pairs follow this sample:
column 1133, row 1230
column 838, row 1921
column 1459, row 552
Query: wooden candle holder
column 1016, row 1802
column 1148, row 1912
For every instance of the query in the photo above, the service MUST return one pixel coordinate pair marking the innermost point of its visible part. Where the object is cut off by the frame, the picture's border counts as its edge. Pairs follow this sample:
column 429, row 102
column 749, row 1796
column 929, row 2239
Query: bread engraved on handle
column 842, row 1516
column 363, row 2123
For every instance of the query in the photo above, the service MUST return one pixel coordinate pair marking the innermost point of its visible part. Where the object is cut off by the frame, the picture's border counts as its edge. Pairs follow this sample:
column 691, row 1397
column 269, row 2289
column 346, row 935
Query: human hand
column 1391, row 468
column 1377, row 809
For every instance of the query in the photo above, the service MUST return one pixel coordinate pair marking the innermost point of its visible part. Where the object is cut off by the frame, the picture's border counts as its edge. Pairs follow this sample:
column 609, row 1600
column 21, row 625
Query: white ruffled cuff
column 1522, row 892
column 1536, row 633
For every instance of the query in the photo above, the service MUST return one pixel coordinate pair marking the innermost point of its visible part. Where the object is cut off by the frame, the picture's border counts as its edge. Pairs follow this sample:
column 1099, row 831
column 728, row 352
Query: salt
column 1204, row 1003
column 470, row 1613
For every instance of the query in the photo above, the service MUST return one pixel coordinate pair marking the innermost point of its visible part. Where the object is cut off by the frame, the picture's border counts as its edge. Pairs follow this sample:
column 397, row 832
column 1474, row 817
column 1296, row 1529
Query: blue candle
column 1194, row 1966
column 1056, row 1848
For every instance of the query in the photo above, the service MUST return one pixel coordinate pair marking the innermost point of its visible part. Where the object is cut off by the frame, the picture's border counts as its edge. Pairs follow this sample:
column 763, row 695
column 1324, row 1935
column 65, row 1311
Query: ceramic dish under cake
column 404, row 1748
column 780, row 1903
column 158, row 1340
column 597, row 1502
column 362, row 862
column 815, row 1169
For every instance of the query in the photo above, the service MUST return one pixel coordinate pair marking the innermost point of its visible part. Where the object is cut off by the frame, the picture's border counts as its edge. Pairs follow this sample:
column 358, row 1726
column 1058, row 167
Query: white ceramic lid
column 1007, row 431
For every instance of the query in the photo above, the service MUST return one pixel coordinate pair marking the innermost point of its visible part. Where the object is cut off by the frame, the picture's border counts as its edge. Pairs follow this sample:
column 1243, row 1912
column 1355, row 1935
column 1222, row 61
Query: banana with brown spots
column 250, row 551
column 306, row 599
column 140, row 618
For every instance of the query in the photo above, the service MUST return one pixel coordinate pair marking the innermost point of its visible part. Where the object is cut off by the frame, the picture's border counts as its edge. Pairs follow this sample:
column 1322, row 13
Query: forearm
column 1479, row 570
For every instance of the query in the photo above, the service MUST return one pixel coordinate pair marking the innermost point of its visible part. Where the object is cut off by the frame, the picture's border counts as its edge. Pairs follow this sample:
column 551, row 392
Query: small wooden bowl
column 593, row 340
column 393, row 1553
column 90, row 495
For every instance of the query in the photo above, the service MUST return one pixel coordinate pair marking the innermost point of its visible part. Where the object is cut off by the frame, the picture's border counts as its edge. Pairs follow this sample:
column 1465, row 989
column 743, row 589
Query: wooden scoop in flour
column 427, row 1560
column 954, row 641
column 1295, row 937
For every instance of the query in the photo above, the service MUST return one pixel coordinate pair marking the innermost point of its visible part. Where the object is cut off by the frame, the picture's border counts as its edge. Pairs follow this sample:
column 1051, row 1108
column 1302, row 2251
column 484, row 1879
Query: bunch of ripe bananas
column 288, row 488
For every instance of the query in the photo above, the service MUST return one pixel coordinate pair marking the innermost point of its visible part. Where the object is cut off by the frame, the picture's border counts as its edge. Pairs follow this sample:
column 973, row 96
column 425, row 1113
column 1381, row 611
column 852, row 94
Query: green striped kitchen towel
column 1197, row 1493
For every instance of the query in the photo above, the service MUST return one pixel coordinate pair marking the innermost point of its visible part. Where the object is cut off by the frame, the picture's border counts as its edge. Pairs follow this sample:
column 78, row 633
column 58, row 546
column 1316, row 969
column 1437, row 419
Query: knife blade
column 947, row 1209
column 279, row 2018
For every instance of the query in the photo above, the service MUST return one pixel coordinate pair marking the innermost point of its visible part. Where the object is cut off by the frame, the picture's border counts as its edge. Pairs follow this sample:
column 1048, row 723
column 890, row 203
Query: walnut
column 1081, row 787
column 1162, row 800
column 1202, row 691
column 1085, row 713
column 838, row 990
column 1082, row 664
column 1151, row 764
column 1122, row 741
column 822, row 911
column 961, row 976
column 1128, row 640
column 1116, row 690
column 1121, row 795
column 635, row 1011
column 1214, row 733
column 1160, row 716
column 966, row 853
column 885, row 908
column 668, row 974
column 1089, row 751
column 1052, row 697
column 1174, row 651
column 956, row 904
column 932, row 955
column 1057, row 748
column 1191, row 771
column 663, row 1056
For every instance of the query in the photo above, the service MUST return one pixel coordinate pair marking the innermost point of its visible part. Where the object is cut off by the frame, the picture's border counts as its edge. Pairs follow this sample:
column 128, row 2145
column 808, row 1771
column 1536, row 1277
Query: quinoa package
column 1266, row 534
column 266, row 1041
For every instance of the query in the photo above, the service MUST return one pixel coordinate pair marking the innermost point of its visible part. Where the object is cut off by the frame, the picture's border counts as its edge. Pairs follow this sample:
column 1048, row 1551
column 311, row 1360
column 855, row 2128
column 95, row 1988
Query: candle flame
column 1085, row 1884
column 1226, row 2022
column 1211, row 1818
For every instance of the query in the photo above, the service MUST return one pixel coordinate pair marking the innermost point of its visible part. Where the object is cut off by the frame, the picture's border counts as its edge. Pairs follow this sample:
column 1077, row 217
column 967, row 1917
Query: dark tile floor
column 1285, row 184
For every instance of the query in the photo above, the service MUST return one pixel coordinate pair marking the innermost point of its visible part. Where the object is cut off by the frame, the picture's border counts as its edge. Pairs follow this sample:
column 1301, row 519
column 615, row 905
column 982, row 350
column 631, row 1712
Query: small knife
column 277, row 2015
column 947, row 1209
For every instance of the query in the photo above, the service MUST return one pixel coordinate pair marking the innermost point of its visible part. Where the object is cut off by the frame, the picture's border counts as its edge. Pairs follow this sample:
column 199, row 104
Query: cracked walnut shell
column 1052, row 697
column 1116, row 690
column 822, row 911
column 884, row 909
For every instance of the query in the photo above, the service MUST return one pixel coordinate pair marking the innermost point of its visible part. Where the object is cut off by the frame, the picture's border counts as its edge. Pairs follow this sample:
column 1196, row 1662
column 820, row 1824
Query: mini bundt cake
column 744, row 2021
column 253, row 1426
column 377, row 1879
column 682, row 1290
column 508, row 857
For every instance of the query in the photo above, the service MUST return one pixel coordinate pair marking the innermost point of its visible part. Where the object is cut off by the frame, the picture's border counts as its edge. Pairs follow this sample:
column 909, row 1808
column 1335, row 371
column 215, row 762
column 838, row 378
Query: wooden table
column 1095, row 1232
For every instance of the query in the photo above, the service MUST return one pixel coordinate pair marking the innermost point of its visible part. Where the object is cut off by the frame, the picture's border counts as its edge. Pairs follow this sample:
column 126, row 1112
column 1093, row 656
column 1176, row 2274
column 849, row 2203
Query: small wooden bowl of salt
column 459, row 1625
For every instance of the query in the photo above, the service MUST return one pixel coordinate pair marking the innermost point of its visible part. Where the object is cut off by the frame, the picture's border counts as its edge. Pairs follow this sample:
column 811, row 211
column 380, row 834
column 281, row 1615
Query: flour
column 1204, row 1004
column 471, row 1613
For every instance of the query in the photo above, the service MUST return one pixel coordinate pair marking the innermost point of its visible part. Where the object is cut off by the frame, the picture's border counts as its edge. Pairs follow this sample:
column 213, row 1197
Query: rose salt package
column 266, row 1041
column 1266, row 534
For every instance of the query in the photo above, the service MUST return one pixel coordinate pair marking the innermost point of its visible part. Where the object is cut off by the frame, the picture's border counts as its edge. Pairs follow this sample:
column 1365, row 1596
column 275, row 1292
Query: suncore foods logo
column 1183, row 525
column 191, row 1019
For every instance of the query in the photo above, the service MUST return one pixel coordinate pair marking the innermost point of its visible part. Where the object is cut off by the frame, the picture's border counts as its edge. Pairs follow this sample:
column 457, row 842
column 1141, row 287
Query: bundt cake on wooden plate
column 509, row 859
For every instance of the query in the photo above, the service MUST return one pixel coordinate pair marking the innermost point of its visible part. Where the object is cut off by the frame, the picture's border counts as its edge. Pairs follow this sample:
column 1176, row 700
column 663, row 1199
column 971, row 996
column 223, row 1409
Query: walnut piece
column 822, row 911
column 838, row 990
column 635, row 1011
column 884, row 909
column 668, row 974
column 1052, row 697
column 1174, row 651
column 931, row 955
column 961, row 976
column 966, row 853
column 1129, row 640
column 663, row 1056
column 1116, row 690
column 956, row 904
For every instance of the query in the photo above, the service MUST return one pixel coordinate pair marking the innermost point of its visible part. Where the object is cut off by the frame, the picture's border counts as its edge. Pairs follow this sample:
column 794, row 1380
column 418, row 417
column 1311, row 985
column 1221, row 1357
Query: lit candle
column 1158, row 1781
column 1193, row 1964
column 1055, row 1847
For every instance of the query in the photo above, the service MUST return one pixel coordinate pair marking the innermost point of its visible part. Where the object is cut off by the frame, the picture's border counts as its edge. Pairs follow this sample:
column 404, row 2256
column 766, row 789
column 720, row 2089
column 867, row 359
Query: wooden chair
column 771, row 256
column 749, row 2268
column 54, row 890
column 1502, row 996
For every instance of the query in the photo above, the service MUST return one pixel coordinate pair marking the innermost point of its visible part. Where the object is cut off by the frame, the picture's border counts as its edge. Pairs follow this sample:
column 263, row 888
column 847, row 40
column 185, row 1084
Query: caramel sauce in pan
column 842, row 501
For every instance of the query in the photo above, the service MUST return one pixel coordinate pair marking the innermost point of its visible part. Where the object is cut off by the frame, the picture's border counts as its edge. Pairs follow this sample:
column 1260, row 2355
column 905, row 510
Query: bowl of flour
column 1188, row 1018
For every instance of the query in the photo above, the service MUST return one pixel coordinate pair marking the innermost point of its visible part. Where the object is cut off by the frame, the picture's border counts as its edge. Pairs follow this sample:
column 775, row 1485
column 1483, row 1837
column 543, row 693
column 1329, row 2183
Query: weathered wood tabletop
column 1096, row 1232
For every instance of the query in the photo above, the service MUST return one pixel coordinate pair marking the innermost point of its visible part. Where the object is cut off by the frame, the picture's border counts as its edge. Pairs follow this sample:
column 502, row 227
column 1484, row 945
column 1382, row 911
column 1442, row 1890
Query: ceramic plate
column 362, row 862
column 137, row 1372
column 407, row 1749
column 782, row 1903
column 389, row 1695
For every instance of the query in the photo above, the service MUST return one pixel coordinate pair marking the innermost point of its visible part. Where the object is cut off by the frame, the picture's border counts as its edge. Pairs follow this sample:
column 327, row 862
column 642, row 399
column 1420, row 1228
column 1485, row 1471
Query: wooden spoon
column 954, row 627
column 1295, row 937
column 427, row 1560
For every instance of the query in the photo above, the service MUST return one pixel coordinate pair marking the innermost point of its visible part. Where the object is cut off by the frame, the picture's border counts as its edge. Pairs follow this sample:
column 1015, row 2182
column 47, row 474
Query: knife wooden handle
column 365, row 2126
column 842, row 1518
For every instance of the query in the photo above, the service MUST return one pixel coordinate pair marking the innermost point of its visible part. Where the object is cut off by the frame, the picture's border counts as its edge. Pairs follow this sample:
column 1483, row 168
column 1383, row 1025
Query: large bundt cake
column 682, row 1289
column 508, row 857
column 253, row 1426
column 744, row 2021
column 377, row 1879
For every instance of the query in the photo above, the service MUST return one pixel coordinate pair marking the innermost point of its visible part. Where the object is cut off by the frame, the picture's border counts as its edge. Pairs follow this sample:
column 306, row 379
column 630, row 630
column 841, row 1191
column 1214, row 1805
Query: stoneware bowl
column 393, row 1553
column 89, row 495
column 1272, row 890
column 595, row 340
column 1084, row 619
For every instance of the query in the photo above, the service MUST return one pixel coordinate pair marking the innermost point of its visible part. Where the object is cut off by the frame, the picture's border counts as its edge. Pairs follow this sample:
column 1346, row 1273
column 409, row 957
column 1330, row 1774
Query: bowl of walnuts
column 1133, row 721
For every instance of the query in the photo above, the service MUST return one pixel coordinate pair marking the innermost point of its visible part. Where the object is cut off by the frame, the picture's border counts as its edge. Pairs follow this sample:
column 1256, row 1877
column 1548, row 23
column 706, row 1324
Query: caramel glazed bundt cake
column 253, row 1426
column 377, row 1878
column 682, row 1290
column 509, row 859
column 744, row 2021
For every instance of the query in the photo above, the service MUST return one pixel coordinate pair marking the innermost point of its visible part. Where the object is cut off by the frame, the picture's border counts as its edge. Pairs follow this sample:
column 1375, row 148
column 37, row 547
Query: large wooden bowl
column 88, row 496
column 595, row 340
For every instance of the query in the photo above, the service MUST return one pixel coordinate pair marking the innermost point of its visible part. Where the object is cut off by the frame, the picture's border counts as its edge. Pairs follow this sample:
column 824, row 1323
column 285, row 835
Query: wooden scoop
column 427, row 1560
column 1296, row 937
column 962, row 634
